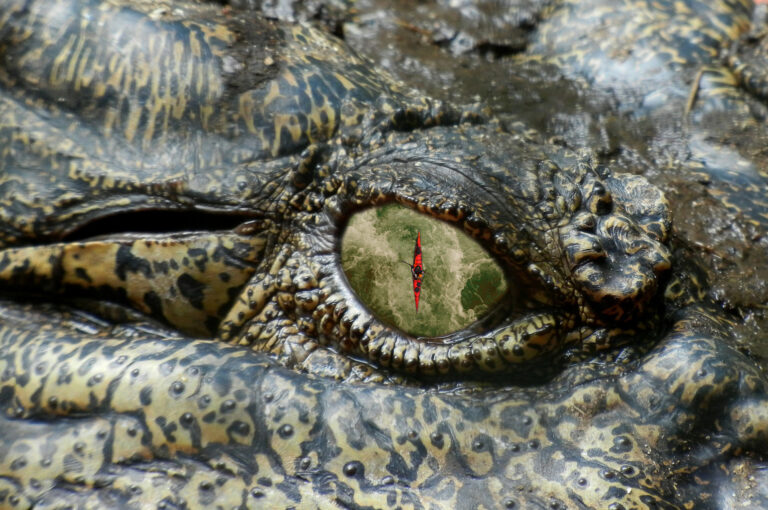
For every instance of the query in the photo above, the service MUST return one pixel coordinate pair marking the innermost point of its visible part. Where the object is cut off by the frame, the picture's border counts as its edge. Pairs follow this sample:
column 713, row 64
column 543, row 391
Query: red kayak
column 417, row 270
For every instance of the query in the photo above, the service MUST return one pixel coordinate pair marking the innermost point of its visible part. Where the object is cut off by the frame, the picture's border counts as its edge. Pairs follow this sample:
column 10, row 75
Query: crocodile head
column 221, row 365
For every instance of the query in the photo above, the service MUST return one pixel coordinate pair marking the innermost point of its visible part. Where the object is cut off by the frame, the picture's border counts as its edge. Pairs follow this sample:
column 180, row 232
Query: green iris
column 462, row 281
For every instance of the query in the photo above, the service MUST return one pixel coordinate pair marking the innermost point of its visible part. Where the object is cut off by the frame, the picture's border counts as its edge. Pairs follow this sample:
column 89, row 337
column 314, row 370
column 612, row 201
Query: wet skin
column 233, row 366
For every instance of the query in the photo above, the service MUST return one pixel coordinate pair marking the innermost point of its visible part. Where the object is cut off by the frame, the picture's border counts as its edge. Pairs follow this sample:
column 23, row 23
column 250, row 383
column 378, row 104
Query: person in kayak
column 417, row 273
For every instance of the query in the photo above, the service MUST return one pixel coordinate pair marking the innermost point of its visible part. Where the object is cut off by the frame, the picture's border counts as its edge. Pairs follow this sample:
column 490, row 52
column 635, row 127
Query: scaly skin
column 120, row 416
column 225, row 372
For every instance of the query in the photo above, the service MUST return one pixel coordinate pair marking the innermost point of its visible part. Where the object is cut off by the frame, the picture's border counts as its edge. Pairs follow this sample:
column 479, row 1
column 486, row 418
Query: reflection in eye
column 461, row 281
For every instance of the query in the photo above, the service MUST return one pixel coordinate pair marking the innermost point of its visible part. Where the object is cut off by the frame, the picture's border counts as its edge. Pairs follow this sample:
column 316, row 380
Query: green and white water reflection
column 461, row 283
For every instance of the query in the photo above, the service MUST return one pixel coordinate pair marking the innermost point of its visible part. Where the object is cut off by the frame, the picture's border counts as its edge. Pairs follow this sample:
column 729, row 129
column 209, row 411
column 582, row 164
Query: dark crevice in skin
column 499, row 50
column 156, row 221
column 484, row 48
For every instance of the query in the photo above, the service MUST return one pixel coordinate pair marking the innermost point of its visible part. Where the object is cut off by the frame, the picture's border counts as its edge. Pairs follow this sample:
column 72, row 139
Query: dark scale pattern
column 232, row 366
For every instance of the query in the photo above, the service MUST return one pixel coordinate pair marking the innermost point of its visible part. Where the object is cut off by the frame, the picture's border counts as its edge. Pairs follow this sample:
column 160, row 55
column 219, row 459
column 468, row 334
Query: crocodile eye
column 461, row 282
